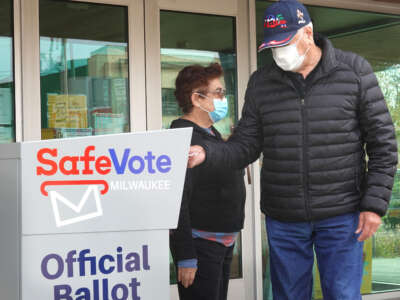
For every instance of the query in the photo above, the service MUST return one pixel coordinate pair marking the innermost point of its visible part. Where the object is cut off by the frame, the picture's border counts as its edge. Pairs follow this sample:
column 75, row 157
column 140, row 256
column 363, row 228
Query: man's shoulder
column 261, row 74
column 351, row 60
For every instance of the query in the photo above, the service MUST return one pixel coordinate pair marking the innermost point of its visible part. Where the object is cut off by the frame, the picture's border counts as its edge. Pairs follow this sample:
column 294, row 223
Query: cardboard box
column 67, row 111
column 120, row 96
column 57, row 110
column 106, row 123
column 48, row 133
column 72, row 132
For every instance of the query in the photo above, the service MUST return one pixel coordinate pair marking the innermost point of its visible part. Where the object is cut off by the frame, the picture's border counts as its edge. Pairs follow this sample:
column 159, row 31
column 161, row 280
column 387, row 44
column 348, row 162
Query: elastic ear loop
column 204, row 96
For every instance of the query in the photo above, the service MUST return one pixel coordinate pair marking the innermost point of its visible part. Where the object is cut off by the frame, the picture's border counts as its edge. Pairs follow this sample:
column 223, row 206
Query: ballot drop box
column 89, row 218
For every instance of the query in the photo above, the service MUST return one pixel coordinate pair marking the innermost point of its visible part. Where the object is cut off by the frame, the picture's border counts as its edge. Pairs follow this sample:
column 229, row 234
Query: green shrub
column 387, row 244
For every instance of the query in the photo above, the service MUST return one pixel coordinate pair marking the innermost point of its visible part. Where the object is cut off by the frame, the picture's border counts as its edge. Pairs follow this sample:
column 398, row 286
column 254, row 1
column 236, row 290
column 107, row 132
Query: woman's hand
column 186, row 276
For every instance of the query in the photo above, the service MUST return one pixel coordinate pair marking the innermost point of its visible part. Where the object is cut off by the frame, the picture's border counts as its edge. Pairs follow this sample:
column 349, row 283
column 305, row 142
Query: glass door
column 83, row 66
column 182, row 33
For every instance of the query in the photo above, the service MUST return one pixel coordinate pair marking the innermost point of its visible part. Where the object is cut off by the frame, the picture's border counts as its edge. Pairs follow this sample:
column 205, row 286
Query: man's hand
column 186, row 276
column 197, row 155
column 368, row 224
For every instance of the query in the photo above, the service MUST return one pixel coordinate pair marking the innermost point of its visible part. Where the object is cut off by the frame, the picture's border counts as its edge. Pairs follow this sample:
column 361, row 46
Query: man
column 314, row 114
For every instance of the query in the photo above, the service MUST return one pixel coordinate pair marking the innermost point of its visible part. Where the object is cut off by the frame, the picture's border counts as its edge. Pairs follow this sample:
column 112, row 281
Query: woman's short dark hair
column 191, row 78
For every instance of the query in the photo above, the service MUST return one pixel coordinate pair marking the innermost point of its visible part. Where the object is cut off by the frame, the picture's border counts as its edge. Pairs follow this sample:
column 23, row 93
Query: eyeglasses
column 221, row 93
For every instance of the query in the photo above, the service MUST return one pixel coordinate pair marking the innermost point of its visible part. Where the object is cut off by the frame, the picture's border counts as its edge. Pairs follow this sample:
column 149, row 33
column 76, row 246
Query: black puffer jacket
column 213, row 198
column 313, row 147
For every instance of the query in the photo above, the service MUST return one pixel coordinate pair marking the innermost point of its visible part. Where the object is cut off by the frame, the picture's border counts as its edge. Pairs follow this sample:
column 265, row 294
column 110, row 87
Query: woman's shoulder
column 198, row 133
column 182, row 123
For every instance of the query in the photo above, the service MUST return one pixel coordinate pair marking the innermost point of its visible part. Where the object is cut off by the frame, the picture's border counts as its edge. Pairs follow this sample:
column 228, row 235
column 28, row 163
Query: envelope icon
column 90, row 196
column 57, row 197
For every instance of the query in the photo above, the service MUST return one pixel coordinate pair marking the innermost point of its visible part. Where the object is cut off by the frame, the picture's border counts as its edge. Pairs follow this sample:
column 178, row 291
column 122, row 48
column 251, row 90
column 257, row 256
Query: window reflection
column 209, row 39
column 7, row 123
column 83, row 69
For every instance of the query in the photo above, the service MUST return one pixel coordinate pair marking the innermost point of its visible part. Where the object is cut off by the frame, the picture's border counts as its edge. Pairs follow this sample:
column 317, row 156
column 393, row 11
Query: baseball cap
column 282, row 20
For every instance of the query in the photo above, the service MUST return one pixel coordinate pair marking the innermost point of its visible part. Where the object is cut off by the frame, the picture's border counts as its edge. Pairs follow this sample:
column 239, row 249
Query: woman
column 212, row 210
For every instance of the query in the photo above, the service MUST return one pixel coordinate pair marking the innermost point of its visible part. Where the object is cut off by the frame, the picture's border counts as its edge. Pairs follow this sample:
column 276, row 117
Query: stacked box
column 73, row 132
column 77, row 111
column 101, row 92
column 57, row 110
column 67, row 111
column 107, row 123
column 81, row 86
column 48, row 133
column 119, row 96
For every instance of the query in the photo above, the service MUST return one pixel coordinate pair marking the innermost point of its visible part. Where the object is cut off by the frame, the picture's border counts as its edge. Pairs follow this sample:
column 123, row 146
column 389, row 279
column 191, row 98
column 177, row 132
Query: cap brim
column 278, row 40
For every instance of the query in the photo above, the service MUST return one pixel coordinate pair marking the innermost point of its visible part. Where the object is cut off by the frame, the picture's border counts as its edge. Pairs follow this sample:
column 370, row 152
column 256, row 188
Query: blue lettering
column 70, row 262
column 141, row 164
column 119, row 260
column 150, row 157
column 44, row 266
column 105, row 289
column 134, row 285
column 164, row 164
column 145, row 255
column 85, row 296
column 134, row 262
column 119, row 167
column 83, row 259
column 66, row 289
column 137, row 164
column 102, row 267
column 121, row 287
column 96, row 290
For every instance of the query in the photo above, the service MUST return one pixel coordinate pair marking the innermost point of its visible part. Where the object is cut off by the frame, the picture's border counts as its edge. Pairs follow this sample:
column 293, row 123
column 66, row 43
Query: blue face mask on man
column 220, row 109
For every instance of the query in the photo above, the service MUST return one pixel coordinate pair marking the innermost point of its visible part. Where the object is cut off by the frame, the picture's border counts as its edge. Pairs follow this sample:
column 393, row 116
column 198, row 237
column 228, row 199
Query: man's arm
column 243, row 147
column 381, row 145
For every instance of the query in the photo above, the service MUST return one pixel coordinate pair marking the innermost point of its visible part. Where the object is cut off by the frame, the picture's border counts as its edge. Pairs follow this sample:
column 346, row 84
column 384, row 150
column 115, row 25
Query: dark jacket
column 314, row 146
column 213, row 198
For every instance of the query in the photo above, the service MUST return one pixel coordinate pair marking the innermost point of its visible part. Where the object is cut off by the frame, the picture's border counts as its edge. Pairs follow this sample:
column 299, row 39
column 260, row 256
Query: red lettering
column 87, row 159
column 103, row 165
column 49, row 162
column 74, row 163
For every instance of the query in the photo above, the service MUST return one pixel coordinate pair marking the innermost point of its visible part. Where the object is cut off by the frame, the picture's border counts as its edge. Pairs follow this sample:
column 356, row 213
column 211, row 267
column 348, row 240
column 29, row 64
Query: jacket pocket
column 357, row 179
column 357, row 174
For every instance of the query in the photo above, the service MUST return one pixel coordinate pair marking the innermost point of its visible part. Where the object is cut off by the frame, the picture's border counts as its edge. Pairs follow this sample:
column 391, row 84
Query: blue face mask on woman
column 220, row 109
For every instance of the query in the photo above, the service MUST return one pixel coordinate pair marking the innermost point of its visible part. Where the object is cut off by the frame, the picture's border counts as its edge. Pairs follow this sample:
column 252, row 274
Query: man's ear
column 309, row 33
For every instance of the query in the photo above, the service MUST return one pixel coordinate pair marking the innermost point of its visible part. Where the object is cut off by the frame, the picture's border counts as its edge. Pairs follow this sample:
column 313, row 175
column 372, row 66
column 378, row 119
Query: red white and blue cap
column 282, row 20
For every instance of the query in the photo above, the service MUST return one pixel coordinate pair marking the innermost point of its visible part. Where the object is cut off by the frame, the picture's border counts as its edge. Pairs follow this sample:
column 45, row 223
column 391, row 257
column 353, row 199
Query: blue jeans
column 339, row 256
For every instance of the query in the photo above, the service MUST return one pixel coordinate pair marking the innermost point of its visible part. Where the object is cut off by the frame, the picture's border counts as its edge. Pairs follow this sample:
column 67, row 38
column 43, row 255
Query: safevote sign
column 95, row 214
column 119, row 182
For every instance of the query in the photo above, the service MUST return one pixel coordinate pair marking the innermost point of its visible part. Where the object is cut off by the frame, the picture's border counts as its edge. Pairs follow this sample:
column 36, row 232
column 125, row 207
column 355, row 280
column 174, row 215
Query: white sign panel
column 100, row 266
column 106, row 183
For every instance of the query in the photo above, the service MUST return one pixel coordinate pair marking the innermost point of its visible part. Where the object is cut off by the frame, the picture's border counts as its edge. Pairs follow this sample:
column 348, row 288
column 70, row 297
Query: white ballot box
column 88, row 218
